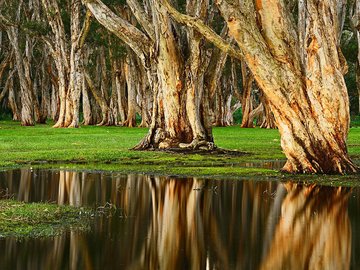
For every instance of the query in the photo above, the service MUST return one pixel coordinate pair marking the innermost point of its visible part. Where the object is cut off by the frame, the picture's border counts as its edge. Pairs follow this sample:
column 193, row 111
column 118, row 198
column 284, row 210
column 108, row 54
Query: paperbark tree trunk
column 311, row 108
column 247, row 99
column 310, row 102
column 76, row 74
column 177, row 120
column 354, row 13
column 59, row 51
column 68, row 57
column 131, row 77
column 27, row 109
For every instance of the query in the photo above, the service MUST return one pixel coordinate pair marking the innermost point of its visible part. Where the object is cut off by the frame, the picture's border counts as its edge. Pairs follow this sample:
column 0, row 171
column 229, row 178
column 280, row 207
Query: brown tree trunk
column 59, row 51
column 310, row 102
column 98, row 97
column 131, row 77
column 268, row 120
column 76, row 74
column 310, row 122
column 27, row 109
column 246, row 100
column 120, row 89
column 177, row 121
column 354, row 13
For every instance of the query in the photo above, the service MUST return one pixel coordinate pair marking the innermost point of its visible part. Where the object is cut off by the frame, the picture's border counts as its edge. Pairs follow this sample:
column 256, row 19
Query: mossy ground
column 108, row 148
column 20, row 220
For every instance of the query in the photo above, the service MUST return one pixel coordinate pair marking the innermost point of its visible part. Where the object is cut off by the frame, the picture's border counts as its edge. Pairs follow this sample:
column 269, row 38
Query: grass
column 108, row 148
column 22, row 220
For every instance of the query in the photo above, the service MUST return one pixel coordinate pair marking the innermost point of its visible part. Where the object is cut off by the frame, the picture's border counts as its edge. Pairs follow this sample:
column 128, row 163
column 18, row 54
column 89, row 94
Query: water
column 168, row 223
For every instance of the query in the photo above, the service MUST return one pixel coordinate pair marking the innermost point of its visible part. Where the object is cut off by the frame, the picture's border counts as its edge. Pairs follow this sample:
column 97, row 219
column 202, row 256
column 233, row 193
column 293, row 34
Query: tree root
column 334, row 166
column 198, row 144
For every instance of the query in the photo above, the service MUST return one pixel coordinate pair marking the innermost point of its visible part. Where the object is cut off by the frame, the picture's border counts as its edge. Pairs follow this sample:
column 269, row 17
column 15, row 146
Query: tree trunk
column 59, row 51
column 105, row 110
column 268, row 120
column 27, row 109
column 246, row 100
column 131, row 77
column 310, row 102
column 76, row 56
column 120, row 89
column 177, row 121
column 311, row 108
column 86, row 106
column 355, row 23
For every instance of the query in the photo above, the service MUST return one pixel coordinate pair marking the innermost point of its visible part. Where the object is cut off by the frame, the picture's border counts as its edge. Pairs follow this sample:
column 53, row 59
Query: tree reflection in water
column 168, row 223
column 314, row 230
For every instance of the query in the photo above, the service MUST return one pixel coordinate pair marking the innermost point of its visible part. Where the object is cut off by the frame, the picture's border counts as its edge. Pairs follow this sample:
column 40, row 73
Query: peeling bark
column 178, row 116
column 310, row 104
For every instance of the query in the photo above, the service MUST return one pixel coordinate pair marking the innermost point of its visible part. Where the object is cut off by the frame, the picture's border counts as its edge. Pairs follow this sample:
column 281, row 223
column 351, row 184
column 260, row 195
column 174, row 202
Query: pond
column 158, row 222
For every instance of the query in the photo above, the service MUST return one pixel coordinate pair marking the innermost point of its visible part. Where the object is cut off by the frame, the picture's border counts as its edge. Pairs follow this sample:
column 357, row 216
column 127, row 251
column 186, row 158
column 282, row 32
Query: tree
column 68, row 58
column 302, row 81
column 354, row 13
column 175, row 64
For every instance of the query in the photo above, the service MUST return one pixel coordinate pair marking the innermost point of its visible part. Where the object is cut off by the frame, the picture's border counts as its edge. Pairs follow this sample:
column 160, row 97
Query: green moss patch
column 19, row 219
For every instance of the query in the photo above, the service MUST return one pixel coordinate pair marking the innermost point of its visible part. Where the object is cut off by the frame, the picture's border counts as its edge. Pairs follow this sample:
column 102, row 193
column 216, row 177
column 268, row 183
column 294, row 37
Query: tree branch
column 203, row 29
column 136, row 39
column 142, row 17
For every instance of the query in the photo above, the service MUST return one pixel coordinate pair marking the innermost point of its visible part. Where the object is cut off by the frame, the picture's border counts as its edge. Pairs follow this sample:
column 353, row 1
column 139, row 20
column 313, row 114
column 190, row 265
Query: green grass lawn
column 108, row 148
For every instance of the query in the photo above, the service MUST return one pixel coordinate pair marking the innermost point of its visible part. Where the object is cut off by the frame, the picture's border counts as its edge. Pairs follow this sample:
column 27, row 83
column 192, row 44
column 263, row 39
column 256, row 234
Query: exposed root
column 198, row 144
column 144, row 144
column 59, row 124
column 74, row 124
column 335, row 166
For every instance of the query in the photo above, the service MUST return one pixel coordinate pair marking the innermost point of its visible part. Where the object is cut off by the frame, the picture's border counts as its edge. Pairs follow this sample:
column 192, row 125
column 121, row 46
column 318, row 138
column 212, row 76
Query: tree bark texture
column 179, row 116
column 310, row 104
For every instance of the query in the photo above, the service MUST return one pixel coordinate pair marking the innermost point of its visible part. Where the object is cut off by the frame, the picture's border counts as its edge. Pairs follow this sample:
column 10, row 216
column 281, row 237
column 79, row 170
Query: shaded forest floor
column 107, row 148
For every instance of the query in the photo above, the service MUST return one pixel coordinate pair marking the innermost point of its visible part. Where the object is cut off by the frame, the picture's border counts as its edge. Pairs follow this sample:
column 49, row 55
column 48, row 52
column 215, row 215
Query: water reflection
column 314, row 230
column 167, row 223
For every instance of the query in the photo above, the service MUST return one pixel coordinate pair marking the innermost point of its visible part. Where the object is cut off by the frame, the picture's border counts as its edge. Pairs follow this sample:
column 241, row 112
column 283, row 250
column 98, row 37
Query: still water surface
column 172, row 223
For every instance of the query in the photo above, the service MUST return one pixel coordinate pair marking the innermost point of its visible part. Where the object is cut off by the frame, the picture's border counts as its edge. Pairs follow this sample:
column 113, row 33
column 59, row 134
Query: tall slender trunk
column 354, row 14
column 27, row 109
column 59, row 51
column 246, row 100
column 131, row 76
column 76, row 74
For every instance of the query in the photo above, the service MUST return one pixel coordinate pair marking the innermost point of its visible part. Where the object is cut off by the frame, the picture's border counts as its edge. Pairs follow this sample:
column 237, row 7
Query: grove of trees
column 181, row 67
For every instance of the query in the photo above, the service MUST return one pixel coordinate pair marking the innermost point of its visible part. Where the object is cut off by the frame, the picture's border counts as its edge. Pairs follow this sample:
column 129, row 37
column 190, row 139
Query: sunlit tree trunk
column 310, row 101
column 76, row 74
column 177, row 120
column 59, row 51
column 311, row 108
